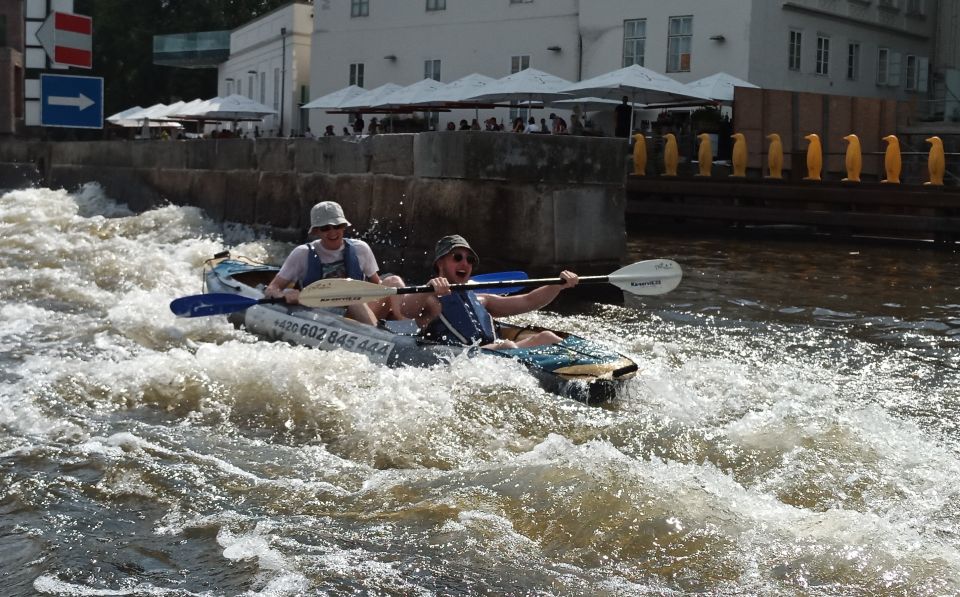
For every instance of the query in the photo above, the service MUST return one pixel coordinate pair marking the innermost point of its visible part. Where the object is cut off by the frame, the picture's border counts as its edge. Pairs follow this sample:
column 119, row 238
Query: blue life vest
column 350, row 263
column 463, row 320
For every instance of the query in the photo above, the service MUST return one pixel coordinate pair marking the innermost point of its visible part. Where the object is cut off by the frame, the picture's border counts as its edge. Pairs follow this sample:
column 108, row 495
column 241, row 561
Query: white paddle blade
column 340, row 292
column 652, row 277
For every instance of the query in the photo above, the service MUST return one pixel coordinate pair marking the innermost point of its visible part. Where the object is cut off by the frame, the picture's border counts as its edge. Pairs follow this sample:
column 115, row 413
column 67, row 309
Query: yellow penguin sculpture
column 936, row 162
column 705, row 155
column 671, row 155
column 892, row 163
column 775, row 156
column 814, row 157
column 854, row 158
column 639, row 155
column 739, row 155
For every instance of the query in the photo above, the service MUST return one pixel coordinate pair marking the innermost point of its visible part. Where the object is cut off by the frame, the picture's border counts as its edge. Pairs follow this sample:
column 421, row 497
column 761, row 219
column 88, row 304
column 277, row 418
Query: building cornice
column 798, row 7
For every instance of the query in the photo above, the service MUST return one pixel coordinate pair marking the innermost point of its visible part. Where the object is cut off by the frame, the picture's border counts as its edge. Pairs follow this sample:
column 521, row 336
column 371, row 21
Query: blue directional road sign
column 71, row 101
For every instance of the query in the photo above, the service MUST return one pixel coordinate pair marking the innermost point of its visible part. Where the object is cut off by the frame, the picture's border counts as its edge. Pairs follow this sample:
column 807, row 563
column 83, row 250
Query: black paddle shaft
column 504, row 283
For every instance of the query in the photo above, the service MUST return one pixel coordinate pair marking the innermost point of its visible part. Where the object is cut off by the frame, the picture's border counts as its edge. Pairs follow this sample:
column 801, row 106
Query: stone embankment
column 535, row 202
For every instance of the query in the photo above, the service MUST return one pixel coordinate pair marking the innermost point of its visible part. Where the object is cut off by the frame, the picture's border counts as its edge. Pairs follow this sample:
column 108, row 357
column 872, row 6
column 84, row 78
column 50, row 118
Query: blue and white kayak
column 576, row 368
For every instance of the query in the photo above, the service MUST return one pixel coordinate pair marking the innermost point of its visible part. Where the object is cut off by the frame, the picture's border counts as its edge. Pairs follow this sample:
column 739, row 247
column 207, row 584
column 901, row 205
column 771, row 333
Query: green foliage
column 123, row 33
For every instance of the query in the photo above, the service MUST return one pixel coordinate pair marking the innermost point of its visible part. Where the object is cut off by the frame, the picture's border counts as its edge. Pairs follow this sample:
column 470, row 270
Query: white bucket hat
column 327, row 213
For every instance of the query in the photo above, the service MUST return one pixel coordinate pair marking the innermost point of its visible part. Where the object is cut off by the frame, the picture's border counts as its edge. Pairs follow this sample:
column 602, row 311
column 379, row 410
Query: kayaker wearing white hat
column 331, row 255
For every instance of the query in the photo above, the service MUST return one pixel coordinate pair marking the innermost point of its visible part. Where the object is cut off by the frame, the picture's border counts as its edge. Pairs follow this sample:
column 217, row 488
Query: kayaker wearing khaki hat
column 467, row 317
column 331, row 255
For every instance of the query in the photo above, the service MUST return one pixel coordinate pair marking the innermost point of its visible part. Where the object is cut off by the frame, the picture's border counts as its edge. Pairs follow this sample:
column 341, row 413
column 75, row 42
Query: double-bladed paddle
column 502, row 276
column 653, row 277
column 219, row 303
column 215, row 303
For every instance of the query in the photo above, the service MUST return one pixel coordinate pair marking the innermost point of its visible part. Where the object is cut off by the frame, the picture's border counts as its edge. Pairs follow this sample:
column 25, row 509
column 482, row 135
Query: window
column 436, row 5
column 634, row 40
column 915, row 8
column 263, row 88
column 883, row 66
column 679, row 40
column 888, row 67
column 923, row 74
column 520, row 1
column 359, row 8
column 431, row 70
column 823, row 55
column 517, row 64
column 3, row 31
column 793, row 56
column 356, row 74
column 916, row 73
column 853, row 61
column 888, row 4
column 911, row 83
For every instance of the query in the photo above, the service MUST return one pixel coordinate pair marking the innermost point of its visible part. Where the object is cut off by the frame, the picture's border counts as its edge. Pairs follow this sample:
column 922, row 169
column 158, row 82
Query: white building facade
column 871, row 48
column 270, row 63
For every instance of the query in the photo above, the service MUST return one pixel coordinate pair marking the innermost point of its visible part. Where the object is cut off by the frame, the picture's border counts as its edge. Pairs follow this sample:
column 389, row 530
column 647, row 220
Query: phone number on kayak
column 329, row 339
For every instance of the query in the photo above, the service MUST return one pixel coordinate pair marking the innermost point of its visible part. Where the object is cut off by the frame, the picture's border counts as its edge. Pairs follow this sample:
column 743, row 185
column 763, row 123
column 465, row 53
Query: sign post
column 68, row 39
column 71, row 101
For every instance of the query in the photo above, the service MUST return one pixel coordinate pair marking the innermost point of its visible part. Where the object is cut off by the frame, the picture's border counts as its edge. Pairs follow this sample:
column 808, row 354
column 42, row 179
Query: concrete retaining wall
column 533, row 202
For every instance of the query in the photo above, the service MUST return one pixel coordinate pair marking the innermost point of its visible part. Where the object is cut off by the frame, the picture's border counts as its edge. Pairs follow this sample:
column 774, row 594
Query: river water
column 792, row 431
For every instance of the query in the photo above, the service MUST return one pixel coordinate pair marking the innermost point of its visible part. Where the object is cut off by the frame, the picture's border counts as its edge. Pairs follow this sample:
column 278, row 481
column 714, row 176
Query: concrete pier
column 534, row 202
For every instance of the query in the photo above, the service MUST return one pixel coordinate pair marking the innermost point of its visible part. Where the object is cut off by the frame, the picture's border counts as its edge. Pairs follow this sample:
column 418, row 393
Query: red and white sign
column 68, row 39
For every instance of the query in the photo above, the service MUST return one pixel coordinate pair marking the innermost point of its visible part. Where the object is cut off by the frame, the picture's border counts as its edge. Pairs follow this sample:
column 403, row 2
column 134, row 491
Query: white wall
column 602, row 30
column 468, row 37
column 258, row 46
column 471, row 36
column 865, row 24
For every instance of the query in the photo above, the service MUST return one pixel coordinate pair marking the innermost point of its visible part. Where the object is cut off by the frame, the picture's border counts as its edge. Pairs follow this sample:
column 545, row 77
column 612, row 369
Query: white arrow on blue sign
column 71, row 101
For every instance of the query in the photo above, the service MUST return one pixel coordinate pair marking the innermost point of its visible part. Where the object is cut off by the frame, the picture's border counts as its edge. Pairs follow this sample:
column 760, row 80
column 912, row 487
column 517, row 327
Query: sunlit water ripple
column 793, row 431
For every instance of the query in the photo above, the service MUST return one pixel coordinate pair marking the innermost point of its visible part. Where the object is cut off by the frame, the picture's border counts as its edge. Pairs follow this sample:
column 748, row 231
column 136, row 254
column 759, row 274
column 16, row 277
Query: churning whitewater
column 792, row 431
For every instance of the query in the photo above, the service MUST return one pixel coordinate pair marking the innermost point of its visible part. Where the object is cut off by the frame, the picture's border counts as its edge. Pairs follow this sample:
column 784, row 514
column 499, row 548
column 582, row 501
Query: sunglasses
column 458, row 257
column 330, row 227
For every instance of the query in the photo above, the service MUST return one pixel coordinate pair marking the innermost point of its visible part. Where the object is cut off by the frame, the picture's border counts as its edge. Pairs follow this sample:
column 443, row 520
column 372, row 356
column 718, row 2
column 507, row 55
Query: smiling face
column 457, row 265
column 331, row 237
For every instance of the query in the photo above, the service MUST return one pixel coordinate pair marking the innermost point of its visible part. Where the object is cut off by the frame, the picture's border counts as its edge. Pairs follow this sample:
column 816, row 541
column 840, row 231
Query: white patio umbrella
column 334, row 99
column 590, row 104
column 640, row 84
column 177, row 111
column 146, row 118
column 407, row 96
column 529, row 84
column 365, row 100
column 719, row 87
column 121, row 118
column 192, row 110
column 457, row 92
column 148, row 113
column 233, row 107
column 163, row 114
